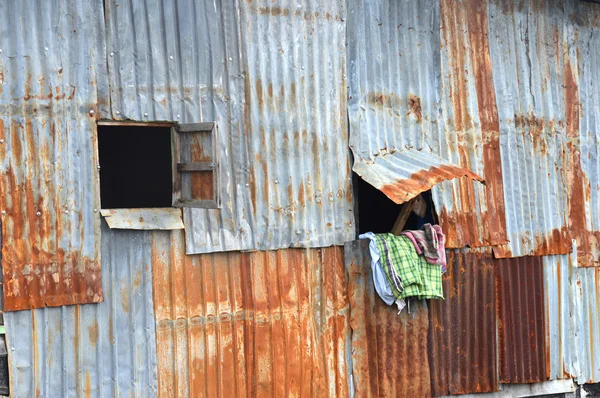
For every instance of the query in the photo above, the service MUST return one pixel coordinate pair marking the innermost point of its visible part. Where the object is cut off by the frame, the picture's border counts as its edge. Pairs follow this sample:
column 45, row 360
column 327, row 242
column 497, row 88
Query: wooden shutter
column 196, row 166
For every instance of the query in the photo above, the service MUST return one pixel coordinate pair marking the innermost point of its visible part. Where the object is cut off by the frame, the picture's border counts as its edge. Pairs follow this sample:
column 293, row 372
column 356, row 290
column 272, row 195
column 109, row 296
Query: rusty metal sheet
column 527, row 44
column 403, row 175
column 53, row 84
column 269, row 323
column 95, row 350
column 272, row 75
column 581, row 74
column 521, row 320
column 389, row 351
column 462, row 330
column 470, row 214
column 149, row 219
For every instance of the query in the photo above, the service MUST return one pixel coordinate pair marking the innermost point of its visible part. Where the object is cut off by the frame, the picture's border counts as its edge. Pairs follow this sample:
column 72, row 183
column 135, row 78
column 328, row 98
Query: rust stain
column 93, row 333
column 403, row 190
column 414, row 107
column 88, row 385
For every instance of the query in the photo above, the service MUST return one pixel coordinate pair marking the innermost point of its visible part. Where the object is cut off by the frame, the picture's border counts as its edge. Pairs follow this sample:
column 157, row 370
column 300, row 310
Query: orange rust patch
column 93, row 333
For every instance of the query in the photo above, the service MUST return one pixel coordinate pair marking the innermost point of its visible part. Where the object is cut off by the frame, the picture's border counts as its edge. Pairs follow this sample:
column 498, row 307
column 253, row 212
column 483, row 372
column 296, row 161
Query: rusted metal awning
column 402, row 175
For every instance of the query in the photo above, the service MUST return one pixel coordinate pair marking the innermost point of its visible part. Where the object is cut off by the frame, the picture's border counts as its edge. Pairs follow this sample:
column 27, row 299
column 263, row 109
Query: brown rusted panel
column 521, row 323
column 478, row 217
column 462, row 328
column 271, row 323
column 389, row 351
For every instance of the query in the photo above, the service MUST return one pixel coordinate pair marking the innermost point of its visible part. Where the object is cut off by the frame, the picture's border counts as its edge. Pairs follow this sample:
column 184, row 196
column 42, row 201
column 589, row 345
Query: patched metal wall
column 272, row 75
column 270, row 323
column 420, row 78
column 101, row 350
column 53, row 83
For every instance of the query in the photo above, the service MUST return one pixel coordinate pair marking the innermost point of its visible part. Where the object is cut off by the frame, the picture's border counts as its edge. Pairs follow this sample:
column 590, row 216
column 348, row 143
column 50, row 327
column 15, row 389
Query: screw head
column 1, row 141
column 66, row 211
column 91, row 112
column 3, row 212
column 38, row 214
column 118, row 113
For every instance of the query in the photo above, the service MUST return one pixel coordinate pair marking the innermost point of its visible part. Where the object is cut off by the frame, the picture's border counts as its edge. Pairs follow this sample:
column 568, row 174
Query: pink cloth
column 429, row 241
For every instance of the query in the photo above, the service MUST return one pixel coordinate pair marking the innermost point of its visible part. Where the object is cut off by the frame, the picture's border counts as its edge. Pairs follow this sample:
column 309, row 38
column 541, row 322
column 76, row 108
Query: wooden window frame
column 179, row 167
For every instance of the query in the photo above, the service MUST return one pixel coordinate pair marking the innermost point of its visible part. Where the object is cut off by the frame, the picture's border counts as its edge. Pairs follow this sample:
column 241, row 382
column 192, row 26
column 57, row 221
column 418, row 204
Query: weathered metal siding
column 389, row 350
column 409, row 89
column 271, row 323
column 103, row 350
column 521, row 320
column 527, row 46
column 462, row 328
column 582, row 72
column 52, row 74
column 273, row 76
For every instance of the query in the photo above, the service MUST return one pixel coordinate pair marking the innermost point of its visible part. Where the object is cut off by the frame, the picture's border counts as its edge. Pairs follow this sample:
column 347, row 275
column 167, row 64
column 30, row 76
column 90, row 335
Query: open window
column 149, row 170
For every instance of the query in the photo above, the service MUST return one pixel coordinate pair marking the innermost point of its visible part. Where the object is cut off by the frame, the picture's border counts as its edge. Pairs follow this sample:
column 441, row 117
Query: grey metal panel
column 53, row 84
column 272, row 75
column 103, row 350
column 526, row 47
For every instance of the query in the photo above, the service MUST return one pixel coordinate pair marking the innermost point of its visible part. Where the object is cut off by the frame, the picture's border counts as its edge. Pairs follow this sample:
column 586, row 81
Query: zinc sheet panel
column 272, row 75
column 527, row 46
column 267, row 323
column 52, row 71
column 409, row 89
column 582, row 97
column 462, row 328
column 521, row 320
column 103, row 350
column 389, row 350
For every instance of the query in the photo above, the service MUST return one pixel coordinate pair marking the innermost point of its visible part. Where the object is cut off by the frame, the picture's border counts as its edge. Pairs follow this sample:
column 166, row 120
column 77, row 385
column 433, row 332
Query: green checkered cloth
column 408, row 273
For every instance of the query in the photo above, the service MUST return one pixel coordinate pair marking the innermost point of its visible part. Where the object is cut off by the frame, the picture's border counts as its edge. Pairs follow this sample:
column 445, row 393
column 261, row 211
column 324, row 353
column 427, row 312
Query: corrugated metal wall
column 102, row 350
column 272, row 323
column 52, row 73
column 273, row 76
column 462, row 328
column 389, row 351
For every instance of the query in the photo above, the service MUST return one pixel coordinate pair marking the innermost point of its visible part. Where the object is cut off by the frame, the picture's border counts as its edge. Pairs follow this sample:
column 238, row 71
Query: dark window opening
column 135, row 166
column 377, row 213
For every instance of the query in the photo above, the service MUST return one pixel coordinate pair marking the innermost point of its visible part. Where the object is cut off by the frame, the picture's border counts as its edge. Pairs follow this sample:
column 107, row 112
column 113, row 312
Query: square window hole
column 135, row 166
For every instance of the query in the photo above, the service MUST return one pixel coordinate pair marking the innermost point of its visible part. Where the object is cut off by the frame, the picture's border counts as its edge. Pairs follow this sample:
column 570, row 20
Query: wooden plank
column 403, row 216
column 196, row 166
column 201, row 203
column 128, row 123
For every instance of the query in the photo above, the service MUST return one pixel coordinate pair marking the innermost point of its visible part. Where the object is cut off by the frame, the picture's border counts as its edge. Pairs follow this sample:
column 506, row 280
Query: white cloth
column 379, row 279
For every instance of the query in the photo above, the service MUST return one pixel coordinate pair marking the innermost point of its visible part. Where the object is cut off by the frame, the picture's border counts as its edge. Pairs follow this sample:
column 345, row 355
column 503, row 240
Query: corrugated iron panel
column 404, row 174
column 269, row 323
column 52, row 85
column 582, row 72
column 521, row 320
column 406, row 92
column 526, row 43
column 562, row 311
column 272, row 74
column 389, row 351
column 462, row 332
column 102, row 350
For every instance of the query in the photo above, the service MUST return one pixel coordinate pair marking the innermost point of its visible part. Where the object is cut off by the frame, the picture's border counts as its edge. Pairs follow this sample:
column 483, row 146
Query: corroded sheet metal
column 582, row 103
column 234, row 324
column 158, row 218
column 411, row 88
column 527, row 48
column 405, row 174
column 389, row 351
column 272, row 75
column 462, row 330
column 52, row 85
column 521, row 320
column 97, row 350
